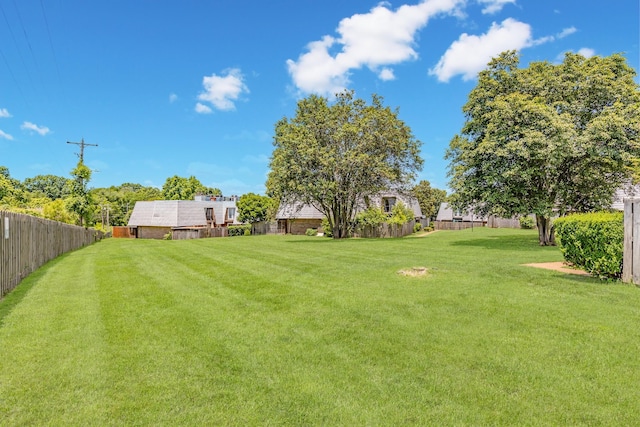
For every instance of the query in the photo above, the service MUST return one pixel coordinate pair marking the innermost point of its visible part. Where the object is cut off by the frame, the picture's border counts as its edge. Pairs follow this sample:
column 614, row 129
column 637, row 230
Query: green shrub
column 593, row 242
column 371, row 217
column 417, row 227
column 311, row 232
column 527, row 222
column 326, row 228
column 167, row 236
column 240, row 230
column 400, row 214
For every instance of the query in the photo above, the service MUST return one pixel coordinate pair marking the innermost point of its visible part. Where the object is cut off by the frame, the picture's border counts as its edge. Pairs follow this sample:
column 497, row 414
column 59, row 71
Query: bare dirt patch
column 559, row 266
column 414, row 271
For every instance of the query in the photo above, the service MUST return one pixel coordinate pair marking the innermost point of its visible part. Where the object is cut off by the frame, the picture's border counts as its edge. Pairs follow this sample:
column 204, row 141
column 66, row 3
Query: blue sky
column 195, row 87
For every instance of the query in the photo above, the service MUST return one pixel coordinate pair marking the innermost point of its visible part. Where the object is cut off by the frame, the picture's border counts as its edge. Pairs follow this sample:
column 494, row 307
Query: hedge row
column 593, row 242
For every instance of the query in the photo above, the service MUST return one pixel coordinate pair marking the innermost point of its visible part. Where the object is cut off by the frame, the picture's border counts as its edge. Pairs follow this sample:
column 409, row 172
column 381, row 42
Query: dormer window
column 388, row 203
column 208, row 213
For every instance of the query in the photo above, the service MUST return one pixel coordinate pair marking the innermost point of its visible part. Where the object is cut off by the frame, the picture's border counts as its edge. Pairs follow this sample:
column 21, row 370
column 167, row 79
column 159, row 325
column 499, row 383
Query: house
column 626, row 192
column 447, row 213
column 187, row 218
column 296, row 218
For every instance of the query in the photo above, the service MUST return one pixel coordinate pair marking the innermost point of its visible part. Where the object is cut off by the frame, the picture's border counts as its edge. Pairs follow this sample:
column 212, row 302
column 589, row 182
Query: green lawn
column 284, row 330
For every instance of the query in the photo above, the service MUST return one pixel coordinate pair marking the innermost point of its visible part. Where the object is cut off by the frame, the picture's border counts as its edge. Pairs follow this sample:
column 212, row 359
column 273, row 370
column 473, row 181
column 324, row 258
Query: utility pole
column 82, row 144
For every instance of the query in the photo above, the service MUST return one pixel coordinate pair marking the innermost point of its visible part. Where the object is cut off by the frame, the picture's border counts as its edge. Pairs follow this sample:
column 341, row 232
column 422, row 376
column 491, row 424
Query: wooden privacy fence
column 258, row 228
column 385, row 230
column 28, row 242
column 449, row 225
column 631, row 254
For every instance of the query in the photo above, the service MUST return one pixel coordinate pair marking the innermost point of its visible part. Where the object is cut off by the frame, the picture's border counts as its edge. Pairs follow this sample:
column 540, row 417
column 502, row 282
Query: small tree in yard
column 429, row 198
column 79, row 200
column 255, row 208
column 335, row 156
column 548, row 139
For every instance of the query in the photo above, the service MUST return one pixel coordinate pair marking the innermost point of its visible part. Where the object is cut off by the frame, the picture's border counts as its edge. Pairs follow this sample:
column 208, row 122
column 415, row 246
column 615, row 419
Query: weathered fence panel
column 28, row 242
column 631, row 254
column 259, row 228
column 448, row 225
column 498, row 222
column 219, row 232
column 386, row 230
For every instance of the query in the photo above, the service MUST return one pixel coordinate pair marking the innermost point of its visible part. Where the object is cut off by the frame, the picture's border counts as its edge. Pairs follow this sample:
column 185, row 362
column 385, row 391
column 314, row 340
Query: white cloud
column 567, row 32
column 202, row 109
column 42, row 130
column 386, row 74
column 494, row 6
column 376, row 39
column 470, row 54
column 173, row 98
column 222, row 91
column 587, row 52
column 4, row 113
column 5, row 135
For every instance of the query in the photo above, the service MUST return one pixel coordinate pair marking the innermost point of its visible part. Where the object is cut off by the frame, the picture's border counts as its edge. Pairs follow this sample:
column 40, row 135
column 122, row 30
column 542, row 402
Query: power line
column 24, row 64
column 55, row 60
column 26, row 37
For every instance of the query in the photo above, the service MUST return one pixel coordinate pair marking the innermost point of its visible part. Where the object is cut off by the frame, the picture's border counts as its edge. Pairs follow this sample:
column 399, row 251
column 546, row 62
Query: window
column 209, row 213
column 231, row 213
column 388, row 203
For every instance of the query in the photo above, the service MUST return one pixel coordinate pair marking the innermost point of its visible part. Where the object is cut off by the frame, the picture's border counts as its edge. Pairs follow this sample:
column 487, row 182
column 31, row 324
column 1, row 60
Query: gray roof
column 178, row 213
column 303, row 211
column 298, row 211
column 446, row 213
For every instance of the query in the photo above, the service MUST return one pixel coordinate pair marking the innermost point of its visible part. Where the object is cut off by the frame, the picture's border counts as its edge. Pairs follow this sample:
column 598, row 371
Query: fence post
column 631, row 254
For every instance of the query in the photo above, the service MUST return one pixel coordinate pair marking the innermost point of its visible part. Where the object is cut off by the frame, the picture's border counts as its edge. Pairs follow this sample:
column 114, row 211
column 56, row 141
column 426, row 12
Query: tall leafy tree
column 547, row 139
column 429, row 198
column 179, row 188
column 334, row 156
column 79, row 201
column 255, row 208
column 120, row 200
column 51, row 186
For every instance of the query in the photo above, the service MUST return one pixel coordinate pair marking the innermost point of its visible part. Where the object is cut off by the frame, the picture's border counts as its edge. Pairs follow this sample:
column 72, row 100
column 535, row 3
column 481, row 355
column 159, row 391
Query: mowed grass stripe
column 297, row 330
column 57, row 326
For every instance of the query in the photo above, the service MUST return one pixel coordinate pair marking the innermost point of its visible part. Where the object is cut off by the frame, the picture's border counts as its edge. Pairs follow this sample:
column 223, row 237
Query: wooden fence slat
column 631, row 245
column 27, row 242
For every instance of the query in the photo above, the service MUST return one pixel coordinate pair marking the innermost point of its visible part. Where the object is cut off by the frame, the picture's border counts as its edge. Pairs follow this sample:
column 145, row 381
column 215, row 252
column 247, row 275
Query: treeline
column 55, row 197
column 52, row 197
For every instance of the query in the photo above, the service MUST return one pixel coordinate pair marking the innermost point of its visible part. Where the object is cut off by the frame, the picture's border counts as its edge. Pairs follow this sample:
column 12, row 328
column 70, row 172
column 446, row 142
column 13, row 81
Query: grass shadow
column 506, row 242
column 15, row 297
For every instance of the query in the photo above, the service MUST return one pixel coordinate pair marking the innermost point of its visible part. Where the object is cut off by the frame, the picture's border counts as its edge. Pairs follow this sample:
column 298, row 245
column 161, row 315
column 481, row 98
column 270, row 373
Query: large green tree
column 429, row 198
column 547, row 139
column 335, row 155
column 179, row 188
column 119, row 200
column 255, row 208
column 51, row 186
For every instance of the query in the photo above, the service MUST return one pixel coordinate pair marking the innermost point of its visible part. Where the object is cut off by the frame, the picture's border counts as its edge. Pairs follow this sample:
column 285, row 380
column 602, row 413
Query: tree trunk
column 546, row 231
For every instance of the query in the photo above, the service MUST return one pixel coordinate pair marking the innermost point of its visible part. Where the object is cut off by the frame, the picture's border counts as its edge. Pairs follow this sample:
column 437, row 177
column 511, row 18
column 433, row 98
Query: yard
column 296, row 330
